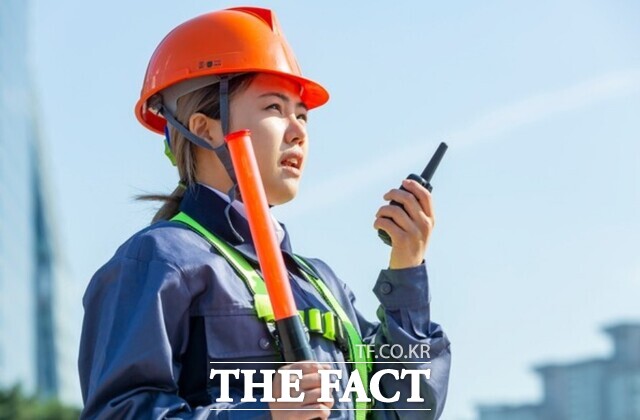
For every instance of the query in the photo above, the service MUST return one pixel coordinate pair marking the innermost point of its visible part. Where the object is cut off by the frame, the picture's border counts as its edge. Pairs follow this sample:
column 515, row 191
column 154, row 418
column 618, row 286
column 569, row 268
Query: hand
column 310, row 384
column 410, row 228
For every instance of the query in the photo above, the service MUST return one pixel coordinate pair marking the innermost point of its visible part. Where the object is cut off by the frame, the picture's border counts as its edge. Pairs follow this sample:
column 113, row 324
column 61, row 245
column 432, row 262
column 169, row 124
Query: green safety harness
column 333, row 325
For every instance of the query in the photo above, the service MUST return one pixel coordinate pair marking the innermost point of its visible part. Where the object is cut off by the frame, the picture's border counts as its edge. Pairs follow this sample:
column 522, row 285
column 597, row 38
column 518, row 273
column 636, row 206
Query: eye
column 277, row 107
column 303, row 117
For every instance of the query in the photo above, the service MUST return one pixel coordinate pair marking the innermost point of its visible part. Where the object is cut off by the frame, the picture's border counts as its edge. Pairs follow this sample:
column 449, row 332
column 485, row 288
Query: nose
column 296, row 131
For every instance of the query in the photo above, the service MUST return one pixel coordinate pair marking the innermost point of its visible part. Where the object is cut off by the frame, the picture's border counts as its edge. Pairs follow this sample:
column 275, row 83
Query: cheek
column 263, row 154
column 267, row 139
column 266, row 152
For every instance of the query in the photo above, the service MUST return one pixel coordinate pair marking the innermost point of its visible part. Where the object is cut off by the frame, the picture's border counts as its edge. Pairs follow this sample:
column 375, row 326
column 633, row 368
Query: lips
column 292, row 159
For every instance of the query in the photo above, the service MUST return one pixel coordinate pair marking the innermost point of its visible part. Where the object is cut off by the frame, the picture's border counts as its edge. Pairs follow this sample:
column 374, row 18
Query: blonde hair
column 206, row 101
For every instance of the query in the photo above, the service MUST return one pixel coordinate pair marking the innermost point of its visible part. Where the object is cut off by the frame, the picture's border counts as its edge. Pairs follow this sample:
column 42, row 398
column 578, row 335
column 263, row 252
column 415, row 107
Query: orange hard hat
column 237, row 40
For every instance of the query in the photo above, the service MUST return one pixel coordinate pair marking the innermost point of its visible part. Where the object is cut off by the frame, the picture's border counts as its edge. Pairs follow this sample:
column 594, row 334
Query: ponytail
column 171, row 205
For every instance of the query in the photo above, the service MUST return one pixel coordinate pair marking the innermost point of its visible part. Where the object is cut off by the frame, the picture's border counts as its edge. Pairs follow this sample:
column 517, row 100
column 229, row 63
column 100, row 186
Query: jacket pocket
column 239, row 341
column 240, row 336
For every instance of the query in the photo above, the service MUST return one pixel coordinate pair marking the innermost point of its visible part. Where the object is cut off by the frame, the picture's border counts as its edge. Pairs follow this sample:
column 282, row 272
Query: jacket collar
column 207, row 208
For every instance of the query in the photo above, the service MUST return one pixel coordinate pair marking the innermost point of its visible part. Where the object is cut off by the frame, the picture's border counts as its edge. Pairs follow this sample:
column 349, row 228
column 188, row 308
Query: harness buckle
column 273, row 332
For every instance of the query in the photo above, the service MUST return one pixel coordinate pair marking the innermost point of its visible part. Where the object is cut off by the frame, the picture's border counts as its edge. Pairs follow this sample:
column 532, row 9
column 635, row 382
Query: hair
column 206, row 101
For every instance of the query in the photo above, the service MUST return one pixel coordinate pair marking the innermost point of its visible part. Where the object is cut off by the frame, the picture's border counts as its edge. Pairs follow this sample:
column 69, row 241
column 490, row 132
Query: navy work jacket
column 166, row 305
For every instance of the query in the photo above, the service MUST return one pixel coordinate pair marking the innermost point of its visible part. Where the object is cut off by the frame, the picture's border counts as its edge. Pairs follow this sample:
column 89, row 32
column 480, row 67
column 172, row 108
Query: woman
column 175, row 297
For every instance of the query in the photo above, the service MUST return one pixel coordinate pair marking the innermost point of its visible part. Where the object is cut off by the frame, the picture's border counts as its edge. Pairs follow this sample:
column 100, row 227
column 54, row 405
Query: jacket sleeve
column 405, row 333
column 136, row 327
column 406, row 326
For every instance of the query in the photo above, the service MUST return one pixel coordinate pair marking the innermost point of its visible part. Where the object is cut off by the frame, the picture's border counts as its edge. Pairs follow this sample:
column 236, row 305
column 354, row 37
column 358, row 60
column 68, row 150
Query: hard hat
column 236, row 40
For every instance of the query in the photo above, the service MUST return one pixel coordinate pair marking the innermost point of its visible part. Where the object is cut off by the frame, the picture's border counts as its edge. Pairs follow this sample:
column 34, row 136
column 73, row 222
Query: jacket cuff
column 403, row 288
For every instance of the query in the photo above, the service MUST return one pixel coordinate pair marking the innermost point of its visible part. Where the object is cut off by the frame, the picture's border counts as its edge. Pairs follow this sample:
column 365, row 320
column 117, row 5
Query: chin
column 283, row 196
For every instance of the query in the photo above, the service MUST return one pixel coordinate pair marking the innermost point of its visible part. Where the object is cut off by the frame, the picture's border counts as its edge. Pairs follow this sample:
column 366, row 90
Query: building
column 34, row 327
column 507, row 412
column 594, row 389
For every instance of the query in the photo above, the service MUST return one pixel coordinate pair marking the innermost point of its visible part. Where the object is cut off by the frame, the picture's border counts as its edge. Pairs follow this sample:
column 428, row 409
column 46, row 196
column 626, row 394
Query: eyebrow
column 284, row 98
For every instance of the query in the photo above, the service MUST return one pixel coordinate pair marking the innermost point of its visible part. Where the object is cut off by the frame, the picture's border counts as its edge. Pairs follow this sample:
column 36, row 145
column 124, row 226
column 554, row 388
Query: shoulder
column 166, row 241
column 319, row 266
column 165, row 252
column 328, row 276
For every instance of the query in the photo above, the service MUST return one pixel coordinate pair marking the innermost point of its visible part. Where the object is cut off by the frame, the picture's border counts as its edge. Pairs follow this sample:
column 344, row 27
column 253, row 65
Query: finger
column 390, row 227
column 311, row 397
column 410, row 203
column 398, row 216
column 313, row 380
column 317, row 410
column 306, row 366
column 411, row 200
column 413, row 207
column 422, row 195
column 310, row 381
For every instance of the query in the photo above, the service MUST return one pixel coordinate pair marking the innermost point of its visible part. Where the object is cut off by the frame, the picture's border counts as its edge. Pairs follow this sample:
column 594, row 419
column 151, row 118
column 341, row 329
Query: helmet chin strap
column 221, row 151
column 226, row 161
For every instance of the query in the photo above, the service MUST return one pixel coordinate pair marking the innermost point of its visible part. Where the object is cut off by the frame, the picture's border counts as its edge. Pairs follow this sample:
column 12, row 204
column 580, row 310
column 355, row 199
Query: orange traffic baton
column 293, row 337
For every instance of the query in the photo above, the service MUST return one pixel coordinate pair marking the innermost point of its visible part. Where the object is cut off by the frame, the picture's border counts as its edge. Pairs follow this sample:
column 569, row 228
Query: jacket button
column 385, row 288
column 264, row 343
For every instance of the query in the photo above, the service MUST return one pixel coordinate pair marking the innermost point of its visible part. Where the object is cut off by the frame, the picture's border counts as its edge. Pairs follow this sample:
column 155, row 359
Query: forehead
column 265, row 83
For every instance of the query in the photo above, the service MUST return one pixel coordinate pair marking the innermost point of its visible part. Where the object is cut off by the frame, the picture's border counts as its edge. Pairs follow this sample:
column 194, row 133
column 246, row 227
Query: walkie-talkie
column 423, row 179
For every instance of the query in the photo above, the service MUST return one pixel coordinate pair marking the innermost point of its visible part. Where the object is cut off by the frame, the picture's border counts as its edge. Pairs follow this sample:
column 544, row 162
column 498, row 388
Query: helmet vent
column 265, row 14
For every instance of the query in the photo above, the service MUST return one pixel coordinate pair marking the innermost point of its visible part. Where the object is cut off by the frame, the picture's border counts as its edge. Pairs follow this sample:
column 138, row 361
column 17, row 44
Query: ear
column 206, row 128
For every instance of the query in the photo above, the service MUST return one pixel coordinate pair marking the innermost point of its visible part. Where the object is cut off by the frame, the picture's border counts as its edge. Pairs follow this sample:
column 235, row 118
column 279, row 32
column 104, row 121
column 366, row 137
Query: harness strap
column 335, row 326
column 252, row 279
column 357, row 352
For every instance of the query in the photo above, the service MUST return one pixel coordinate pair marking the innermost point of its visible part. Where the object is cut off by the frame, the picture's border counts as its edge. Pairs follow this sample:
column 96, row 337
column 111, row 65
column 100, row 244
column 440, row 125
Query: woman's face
column 272, row 109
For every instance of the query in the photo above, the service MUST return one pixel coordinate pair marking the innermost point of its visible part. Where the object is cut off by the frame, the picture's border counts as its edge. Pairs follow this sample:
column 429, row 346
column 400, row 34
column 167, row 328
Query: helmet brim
column 312, row 94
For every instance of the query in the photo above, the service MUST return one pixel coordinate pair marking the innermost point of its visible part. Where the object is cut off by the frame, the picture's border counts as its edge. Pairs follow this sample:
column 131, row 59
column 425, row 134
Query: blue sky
column 536, row 200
